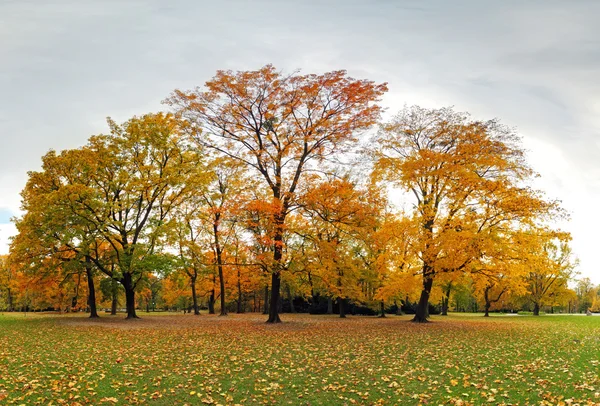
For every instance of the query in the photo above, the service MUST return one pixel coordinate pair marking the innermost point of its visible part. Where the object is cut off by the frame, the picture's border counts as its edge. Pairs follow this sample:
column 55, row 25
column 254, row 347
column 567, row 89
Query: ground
column 307, row 360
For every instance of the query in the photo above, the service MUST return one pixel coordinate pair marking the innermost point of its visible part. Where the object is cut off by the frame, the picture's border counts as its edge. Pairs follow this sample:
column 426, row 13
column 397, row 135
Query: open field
column 307, row 360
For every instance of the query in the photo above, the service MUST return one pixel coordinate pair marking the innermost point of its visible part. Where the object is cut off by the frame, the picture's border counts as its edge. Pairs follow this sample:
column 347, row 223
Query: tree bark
column 276, row 273
column 329, row 305
column 488, row 304
column 240, row 296
column 536, row 309
column 211, row 299
column 382, row 308
column 342, row 304
column 194, row 297
column 219, row 255
column 127, row 282
column 446, row 299
column 274, row 305
column 422, row 310
column 91, row 289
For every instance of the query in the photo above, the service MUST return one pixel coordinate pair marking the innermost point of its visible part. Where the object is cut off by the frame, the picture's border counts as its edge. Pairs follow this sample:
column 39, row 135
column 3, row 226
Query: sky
column 67, row 65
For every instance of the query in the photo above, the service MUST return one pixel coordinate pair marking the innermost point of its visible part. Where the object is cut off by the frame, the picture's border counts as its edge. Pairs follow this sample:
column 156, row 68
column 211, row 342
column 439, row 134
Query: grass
column 307, row 360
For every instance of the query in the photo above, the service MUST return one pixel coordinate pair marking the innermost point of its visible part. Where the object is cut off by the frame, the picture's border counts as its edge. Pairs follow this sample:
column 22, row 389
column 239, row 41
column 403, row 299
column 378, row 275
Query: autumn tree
column 6, row 283
column 549, row 265
column 279, row 127
column 109, row 200
column 586, row 294
column 465, row 176
column 50, row 232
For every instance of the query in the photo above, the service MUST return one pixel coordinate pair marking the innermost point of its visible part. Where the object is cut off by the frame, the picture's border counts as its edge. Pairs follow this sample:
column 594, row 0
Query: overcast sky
column 66, row 65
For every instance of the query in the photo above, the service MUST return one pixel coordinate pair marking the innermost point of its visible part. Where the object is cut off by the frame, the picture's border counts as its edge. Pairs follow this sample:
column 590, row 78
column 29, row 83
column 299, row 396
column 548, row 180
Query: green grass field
column 307, row 360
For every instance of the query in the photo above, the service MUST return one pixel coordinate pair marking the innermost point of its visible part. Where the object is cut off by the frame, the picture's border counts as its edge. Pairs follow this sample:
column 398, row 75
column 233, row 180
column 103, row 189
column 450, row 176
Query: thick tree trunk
column 382, row 309
column 488, row 303
column 222, row 286
column 536, row 309
column 127, row 282
column 195, row 297
column 422, row 310
column 329, row 305
column 276, row 272
column 91, row 289
column 274, row 305
column 342, row 304
column 266, row 303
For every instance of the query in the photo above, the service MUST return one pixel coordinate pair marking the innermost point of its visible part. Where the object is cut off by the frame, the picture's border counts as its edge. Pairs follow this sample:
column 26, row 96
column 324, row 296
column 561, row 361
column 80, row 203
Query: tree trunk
column 422, row 310
column 446, row 299
column 291, row 299
column 398, row 308
column 536, row 309
column 127, row 282
column 274, row 305
column 10, row 301
column 240, row 296
column 194, row 297
column 211, row 301
column 329, row 305
column 266, row 304
column 276, row 272
column 342, row 304
column 382, row 308
column 219, row 255
column 91, row 289
column 488, row 303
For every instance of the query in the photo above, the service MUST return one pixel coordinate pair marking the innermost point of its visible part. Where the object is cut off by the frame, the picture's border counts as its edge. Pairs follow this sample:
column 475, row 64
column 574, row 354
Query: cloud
column 68, row 64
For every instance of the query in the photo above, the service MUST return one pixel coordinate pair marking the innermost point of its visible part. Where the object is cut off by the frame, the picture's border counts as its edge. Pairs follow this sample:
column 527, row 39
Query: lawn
column 307, row 360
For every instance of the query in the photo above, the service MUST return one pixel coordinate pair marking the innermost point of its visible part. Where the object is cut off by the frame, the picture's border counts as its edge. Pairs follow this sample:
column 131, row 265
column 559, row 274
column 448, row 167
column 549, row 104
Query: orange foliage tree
column 467, row 178
column 279, row 127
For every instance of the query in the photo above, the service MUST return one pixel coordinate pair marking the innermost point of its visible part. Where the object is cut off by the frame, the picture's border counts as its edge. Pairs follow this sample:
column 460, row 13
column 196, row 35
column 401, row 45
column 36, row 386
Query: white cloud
column 67, row 64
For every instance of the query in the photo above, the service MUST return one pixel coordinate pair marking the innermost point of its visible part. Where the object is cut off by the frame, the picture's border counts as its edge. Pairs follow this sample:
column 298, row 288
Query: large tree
column 467, row 178
column 107, row 203
column 279, row 127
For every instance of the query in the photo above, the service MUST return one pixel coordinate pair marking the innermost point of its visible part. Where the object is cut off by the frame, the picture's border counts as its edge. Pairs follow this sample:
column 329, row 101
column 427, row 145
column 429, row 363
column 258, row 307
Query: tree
column 108, row 201
column 279, row 127
column 458, row 170
column 50, row 232
column 549, row 266
column 6, row 282
column 586, row 294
